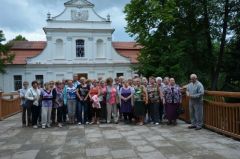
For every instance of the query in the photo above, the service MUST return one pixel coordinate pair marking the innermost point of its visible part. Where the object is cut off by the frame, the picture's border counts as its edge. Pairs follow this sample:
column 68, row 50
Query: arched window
column 80, row 51
column 59, row 48
column 100, row 49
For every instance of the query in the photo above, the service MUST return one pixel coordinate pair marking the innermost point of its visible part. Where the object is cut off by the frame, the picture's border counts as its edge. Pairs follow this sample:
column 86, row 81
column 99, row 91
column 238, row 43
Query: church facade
column 79, row 41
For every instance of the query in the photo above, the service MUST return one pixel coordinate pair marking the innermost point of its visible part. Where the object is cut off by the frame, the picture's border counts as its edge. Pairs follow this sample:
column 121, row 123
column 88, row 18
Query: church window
column 80, row 51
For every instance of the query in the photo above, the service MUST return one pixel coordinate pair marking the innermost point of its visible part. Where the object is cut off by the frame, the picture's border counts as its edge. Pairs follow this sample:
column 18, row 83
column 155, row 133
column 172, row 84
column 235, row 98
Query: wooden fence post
column 1, row 105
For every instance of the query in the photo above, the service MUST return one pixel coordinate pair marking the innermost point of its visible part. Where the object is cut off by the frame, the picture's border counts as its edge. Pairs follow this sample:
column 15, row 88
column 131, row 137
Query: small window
column 120, row 74
column 80, row 52
column 17, row 82
column 39, row 78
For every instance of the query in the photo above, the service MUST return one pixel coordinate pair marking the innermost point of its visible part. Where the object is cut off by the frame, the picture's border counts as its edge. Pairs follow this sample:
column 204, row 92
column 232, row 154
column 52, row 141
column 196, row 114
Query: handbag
column 180, row 110
column 28, row 103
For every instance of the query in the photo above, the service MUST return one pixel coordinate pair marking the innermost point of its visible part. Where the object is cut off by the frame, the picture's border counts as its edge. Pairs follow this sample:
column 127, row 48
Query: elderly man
column 195, row 91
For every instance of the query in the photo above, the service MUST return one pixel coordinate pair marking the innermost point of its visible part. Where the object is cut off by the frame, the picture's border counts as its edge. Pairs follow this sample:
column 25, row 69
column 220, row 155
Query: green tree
column 5, row 55
column 182, row 37
column 232, row 56
column 172, row 37
column 19, row 38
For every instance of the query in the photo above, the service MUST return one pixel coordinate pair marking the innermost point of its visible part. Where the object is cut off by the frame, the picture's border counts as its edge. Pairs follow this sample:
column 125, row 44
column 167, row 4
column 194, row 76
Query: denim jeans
column 82, row 113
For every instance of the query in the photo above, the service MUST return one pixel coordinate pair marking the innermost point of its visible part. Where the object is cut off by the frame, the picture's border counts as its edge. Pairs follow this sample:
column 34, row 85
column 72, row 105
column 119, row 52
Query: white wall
column 59, row 72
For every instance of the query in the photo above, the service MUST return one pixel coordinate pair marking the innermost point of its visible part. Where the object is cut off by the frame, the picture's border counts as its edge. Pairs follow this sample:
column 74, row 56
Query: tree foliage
column 19, row 38
column 181, row 37
column 5, row 55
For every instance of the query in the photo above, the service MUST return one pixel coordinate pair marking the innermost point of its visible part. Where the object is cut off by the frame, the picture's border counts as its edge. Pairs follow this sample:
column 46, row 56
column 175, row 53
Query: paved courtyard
column 113, row 142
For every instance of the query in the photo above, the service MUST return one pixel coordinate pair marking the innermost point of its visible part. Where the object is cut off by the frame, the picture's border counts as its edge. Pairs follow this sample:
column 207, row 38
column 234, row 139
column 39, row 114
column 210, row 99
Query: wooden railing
column 219, row 115
column 9, row 104
column 186, row 115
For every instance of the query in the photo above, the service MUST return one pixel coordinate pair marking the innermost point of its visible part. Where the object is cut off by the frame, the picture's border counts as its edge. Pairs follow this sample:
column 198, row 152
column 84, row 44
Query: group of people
column 137, row 100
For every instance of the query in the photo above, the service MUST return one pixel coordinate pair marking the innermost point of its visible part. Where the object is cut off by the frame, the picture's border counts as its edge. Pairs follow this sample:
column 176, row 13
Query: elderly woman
column 58, row 101
column 172, row 100
column 33, row 94
column 126, row 101
column 95, row 103
column 71, row 101
column 111, row 101
column 161, row 108
column 154, row 95
column 140, row 99
column 47, row 103
column 26, row 110
column 82, row 96
column 102, row 100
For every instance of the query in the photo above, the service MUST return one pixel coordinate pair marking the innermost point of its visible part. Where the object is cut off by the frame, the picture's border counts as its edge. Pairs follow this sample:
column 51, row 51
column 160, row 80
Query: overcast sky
column 28, row 17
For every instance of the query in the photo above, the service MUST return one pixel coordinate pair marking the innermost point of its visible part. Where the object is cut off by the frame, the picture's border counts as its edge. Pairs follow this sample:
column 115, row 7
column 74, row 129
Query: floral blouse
column 153, row 93
column 139, row 93
column 172, row 94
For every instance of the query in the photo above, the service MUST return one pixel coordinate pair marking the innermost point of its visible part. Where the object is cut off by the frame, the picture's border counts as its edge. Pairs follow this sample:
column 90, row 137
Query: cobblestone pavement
column 113, row 141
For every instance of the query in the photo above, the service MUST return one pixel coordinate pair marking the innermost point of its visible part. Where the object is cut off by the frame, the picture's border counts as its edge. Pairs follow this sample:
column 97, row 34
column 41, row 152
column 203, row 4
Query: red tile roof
column 130, row 50
column 126, row 45
column 28, row 49
column 29, row 45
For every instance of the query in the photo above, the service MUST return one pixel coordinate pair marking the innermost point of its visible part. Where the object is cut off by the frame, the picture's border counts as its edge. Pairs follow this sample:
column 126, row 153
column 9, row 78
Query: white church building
column 79, row 41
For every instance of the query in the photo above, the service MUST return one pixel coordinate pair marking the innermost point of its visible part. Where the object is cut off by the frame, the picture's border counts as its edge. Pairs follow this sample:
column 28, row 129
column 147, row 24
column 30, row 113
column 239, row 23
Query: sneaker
column 43, row 127
column 87, row 122
column 79, row 123
column 59, row 125
column 98, row 122
column 156, row 123
column 108, row 122
column 198, row 128
column 192, row 127
column 35, row 126
column 48, row 125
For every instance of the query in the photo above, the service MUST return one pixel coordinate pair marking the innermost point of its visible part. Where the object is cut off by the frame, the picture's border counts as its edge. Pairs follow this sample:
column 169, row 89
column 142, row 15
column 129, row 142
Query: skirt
column 171, row 111
column 139, row 108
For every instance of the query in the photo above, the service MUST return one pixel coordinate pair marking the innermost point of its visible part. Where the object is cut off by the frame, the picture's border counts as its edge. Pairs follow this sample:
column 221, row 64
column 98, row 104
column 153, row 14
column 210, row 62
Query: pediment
column 79, row 3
